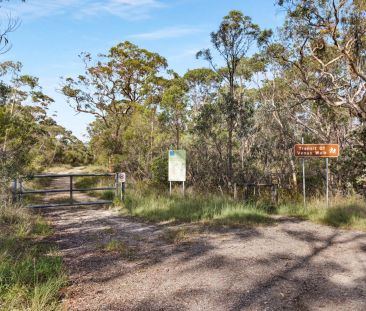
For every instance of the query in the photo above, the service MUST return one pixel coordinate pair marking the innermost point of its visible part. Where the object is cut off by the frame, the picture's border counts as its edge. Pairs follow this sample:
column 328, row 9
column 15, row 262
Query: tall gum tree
column 231, row 41
column 325, row 42
column 113, row 87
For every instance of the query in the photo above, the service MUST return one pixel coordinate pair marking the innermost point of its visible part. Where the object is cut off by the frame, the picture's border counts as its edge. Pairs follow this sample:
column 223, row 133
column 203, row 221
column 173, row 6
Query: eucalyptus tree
column 174, row 107
column 114, row 87
column 23, row 108
column 325, row 42
column 203, row 85
column 232, row 42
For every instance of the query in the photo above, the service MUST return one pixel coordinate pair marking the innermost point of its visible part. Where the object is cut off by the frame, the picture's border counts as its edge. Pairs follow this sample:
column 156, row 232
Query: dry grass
column 206, row 210
column 176, row 235
column 120, row 247
column 31, row 274
column 343, row 212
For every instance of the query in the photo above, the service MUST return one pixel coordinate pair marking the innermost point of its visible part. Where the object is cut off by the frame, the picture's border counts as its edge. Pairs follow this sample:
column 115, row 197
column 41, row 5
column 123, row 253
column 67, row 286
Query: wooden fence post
column 20, row 189
column 71, row 198
column 14, row 190
column 274, row 194
column 245, row 193
column 116, row 180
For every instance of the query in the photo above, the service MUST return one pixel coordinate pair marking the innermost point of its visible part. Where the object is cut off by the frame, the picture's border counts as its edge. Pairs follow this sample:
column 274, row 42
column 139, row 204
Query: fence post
column 123, row 188
column 235, row 192
column 14, row 190
column 71, row 198
column 245, row 193
column 20, row 189
column 274, row 193
column 116, row 179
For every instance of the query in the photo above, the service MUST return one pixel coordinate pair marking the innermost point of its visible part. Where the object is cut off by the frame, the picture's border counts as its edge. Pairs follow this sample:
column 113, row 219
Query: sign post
column 303, row 176
column 317, row 151
column 177, row 168
column 327, row 182
column 122, row 180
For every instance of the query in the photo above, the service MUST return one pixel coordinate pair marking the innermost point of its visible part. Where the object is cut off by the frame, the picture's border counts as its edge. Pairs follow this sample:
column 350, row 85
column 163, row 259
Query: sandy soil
column 293, row 265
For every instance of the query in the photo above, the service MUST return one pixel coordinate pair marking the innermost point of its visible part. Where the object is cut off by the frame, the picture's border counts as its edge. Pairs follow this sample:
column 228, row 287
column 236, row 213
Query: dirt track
column 294, row 265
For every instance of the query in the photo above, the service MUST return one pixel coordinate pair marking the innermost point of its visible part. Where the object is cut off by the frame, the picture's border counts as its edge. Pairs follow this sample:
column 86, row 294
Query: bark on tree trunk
column 177, row 138
column 110, row 164
column 293, row 170
column 230, row 152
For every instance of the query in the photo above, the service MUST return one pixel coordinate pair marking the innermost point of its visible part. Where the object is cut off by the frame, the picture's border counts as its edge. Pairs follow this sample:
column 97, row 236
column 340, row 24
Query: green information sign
column 177, row 165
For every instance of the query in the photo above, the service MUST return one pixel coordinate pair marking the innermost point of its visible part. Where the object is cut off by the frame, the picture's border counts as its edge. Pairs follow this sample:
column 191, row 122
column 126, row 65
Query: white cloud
column 170, row 32
column 127, row 9
column 188, row 53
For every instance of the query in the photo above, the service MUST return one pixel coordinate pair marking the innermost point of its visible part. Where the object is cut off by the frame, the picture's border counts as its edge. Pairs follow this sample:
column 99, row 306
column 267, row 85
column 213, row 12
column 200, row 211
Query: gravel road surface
column 292, row 265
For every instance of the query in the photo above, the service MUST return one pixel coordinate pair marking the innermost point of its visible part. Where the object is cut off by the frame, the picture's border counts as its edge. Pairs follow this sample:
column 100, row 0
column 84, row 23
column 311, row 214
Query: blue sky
column 54, row 32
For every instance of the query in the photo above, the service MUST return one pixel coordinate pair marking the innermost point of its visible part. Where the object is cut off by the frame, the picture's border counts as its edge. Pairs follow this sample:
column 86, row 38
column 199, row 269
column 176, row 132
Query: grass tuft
column 175, row 235
column 118, row 246
column 31, row 275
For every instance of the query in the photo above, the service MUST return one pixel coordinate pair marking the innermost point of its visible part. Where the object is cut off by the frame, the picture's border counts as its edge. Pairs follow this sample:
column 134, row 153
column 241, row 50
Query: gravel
column 293, row 265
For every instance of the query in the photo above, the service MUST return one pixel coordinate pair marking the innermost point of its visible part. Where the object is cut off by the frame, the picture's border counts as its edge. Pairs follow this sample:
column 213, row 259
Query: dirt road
column 294, row 265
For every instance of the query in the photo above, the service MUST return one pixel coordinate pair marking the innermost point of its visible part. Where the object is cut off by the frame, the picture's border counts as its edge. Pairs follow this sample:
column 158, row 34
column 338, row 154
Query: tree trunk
column 177, row 137
column 230, row 152
column 293, row 170
column 151, row 146
column 110, row 164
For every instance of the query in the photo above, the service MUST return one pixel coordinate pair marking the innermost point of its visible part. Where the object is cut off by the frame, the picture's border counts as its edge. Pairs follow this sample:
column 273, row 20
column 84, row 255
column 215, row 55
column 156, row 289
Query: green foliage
column 31, row 275
column 159, row 170
column 174, row 107
column 29, row 139
column 116, row 89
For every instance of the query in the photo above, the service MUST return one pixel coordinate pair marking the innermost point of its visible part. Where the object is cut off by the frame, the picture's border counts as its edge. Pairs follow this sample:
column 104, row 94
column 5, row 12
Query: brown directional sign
column 317, row 150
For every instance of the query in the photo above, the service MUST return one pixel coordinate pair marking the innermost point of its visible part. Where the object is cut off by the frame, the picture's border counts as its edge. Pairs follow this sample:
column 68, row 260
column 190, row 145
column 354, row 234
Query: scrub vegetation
column 31, row 274
column 346, row 213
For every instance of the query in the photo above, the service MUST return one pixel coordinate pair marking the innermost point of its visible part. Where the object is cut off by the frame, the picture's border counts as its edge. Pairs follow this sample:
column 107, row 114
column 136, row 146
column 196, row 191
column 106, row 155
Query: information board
column 317, row 150
column 177, row 165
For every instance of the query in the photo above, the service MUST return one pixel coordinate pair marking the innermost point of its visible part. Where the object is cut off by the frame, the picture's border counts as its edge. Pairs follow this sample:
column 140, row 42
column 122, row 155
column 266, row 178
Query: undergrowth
column 31, row 274
column 343, row 212
column 207, row 210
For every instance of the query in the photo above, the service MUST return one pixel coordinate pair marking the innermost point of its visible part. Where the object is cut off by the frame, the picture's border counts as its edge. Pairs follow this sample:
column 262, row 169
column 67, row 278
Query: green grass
column 118, row 246
column 211, row 211
column 346, row 213
column 96, row 182
column 31, row 274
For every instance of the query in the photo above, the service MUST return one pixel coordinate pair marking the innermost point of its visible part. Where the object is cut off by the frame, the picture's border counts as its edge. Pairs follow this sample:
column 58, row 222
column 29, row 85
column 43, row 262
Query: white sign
column 122, row 177
column 177, row 165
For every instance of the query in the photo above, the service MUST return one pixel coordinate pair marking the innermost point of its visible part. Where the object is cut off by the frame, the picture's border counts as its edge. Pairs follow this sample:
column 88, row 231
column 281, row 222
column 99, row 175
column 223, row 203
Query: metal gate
column 19, row 191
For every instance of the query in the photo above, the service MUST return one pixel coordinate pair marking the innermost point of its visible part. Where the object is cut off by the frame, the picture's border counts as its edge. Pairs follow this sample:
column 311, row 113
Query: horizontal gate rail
column 20, row 191
column 66, row 190
column 69, row 175
column 70, row 204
